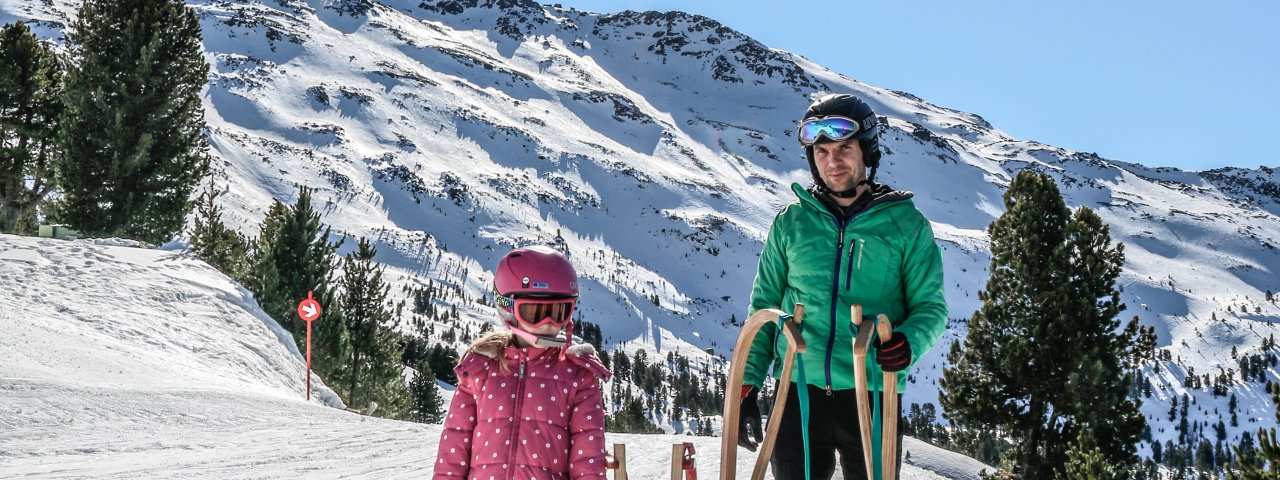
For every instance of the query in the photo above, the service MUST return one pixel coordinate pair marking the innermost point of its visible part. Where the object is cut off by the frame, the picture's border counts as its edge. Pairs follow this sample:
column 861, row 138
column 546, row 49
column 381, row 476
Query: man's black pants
column 833, row 427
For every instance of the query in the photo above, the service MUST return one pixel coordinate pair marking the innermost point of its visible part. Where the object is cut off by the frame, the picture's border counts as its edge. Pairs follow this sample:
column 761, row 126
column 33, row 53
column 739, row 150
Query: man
column 846, row 241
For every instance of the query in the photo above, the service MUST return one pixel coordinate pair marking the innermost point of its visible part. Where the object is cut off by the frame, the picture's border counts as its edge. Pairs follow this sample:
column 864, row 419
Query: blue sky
column 1193, row 85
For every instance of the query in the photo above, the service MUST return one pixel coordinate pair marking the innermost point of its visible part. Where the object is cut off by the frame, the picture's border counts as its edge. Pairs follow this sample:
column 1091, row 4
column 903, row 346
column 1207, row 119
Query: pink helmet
column 535, row 271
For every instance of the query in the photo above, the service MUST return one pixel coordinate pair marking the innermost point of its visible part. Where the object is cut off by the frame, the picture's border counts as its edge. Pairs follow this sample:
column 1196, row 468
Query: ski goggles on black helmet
column 835, row 128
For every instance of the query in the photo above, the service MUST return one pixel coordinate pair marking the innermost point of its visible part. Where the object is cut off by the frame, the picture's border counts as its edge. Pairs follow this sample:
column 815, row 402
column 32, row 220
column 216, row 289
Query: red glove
column 893, row 355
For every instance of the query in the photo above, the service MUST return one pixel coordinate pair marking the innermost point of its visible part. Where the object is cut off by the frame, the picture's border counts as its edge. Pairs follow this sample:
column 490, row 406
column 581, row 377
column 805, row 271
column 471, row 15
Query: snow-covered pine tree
column 1043, row 360
column 132, row 135
column 30, row 108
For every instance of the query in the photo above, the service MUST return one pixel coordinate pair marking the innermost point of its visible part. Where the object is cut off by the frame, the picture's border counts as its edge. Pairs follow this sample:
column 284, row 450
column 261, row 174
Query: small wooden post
column 677, row 461
column 620, row 456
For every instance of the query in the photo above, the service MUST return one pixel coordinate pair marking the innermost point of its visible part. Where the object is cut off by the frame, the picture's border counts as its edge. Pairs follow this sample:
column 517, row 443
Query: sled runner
column 788, row 325
column 889, row 398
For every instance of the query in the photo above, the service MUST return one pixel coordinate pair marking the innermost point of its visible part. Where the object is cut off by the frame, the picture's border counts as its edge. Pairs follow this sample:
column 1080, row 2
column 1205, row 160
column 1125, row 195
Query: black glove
column 893, row 355
column 749, row 419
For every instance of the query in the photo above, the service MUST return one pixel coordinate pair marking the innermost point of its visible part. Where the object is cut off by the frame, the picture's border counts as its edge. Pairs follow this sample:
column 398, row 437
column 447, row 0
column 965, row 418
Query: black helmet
column 853, row 108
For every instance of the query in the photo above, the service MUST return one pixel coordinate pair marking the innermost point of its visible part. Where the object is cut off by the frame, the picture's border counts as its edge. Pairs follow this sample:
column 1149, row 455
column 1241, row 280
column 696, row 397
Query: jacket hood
column 492, row 343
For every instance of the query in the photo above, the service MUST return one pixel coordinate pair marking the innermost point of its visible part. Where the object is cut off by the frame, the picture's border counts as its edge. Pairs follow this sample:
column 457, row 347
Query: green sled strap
column 802, row 390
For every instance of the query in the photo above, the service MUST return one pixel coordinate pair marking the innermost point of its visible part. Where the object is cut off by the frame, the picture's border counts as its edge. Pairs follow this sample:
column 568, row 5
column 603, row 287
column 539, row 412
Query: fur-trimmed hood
column 491, row 344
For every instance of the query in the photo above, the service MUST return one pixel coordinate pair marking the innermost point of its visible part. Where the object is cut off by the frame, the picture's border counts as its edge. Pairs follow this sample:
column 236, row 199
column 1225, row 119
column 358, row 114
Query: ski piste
column 889, row 397
column 789, row 325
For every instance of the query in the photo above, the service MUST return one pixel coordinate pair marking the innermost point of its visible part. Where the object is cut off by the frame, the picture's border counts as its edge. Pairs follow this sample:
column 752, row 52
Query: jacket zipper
column 848, row 269
column 835, row 302
column 515, row 422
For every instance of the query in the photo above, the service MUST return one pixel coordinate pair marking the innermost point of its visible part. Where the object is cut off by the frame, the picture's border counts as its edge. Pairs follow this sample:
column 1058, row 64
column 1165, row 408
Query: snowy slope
column 123, row 362
column 655, row 148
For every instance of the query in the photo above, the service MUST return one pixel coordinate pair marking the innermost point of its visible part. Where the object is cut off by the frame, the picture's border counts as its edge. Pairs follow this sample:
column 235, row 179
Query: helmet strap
column 539, row 341
column 850, row 193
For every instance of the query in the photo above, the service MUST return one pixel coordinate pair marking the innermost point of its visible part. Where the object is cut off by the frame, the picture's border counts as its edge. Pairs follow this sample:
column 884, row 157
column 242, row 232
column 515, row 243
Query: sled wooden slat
column 861, row 343
column 888, row 410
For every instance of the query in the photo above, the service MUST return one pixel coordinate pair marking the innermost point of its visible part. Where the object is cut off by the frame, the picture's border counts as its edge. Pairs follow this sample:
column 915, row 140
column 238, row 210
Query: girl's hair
column 494, row 344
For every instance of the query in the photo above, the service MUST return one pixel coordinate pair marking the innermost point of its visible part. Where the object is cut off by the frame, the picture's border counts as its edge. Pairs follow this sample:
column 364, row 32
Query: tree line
column 358, row 347
column 108, row 137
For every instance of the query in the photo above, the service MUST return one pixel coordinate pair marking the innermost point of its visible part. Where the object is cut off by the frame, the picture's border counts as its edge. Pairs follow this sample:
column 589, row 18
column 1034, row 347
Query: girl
column 528, row 402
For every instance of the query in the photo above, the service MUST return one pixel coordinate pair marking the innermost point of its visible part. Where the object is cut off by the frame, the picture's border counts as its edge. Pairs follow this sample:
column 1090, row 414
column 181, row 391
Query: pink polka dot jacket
column 524, row 413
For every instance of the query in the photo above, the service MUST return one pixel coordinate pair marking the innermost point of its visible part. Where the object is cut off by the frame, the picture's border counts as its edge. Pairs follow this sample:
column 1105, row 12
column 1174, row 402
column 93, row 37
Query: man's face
column 840, row 164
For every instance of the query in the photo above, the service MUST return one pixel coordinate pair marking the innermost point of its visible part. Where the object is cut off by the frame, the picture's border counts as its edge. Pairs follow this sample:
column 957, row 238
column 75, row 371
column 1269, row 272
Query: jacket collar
column 501, row 341
column 881, row 194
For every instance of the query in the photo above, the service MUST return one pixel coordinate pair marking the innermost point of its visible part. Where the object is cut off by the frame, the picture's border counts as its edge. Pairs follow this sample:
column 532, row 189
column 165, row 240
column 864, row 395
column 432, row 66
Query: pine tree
column 428, row 405
column 214, row 242
column 1262, row 463
column 1085, row 461
column 1204, row 456
column 132, row 137
column 373, row 368
column 443, row 359
column 30, row 109
column 630, row 418
column 1043, row 360
column 1246, row 457
column 293, row 256
column 1231, row 407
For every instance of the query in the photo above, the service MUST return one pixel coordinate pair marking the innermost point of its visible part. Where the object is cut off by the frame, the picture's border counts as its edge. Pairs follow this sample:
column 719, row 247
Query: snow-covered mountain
column 123, row 362
column 655, row 148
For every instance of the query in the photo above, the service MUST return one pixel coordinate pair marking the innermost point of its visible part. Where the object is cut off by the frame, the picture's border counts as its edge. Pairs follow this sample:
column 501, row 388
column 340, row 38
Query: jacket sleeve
column 586, row 429
column 453, row 456
column 926, row 302
column 766, row 292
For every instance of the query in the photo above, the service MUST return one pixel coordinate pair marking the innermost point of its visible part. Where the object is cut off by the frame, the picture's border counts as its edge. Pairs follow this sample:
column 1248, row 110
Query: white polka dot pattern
column 555, row 430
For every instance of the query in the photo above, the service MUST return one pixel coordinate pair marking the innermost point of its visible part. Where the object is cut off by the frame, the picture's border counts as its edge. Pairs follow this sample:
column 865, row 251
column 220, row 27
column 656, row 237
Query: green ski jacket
column 883, row 258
